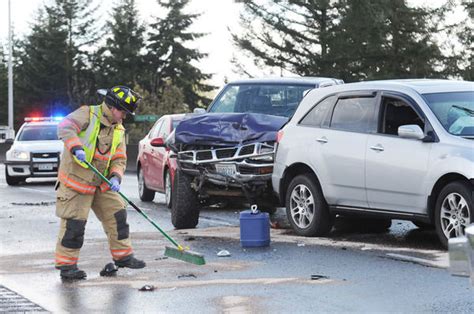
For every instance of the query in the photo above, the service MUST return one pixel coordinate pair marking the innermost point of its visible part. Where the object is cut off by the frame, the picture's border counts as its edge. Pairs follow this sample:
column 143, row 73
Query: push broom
column 178, row 252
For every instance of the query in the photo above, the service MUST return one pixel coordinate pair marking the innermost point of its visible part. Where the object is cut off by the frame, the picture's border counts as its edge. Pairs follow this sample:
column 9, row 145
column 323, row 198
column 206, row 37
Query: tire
column 13, row 180
column 168, row 189
column 423, row 225
column 311, row 216
column 185, row 204
column 454, row 210
column 145, row 193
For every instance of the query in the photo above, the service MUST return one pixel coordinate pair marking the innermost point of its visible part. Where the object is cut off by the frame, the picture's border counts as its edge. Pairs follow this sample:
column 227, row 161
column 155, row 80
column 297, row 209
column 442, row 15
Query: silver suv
column 384, row 149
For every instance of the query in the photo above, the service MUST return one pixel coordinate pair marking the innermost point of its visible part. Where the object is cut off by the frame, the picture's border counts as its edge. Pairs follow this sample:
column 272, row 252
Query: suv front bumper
column 231, row 166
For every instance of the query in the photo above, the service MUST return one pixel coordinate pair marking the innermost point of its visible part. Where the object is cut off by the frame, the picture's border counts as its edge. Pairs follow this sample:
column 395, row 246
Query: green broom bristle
column 186, row 256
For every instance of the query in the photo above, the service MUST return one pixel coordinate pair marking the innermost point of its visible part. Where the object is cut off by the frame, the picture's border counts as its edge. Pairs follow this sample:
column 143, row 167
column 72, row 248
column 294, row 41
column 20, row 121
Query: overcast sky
column 217, row 17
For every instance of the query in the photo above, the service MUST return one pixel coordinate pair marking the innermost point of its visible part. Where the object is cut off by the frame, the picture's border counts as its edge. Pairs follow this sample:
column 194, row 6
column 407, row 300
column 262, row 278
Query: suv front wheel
column 453, row 211
column 13, row 180
column 306, row 208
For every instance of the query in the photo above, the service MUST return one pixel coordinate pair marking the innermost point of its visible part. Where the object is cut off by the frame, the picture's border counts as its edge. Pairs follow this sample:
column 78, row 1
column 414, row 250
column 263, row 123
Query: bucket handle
column 254, row 209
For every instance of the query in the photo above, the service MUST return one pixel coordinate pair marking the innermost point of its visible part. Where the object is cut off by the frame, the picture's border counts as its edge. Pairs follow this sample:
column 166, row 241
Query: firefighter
column 94, row 134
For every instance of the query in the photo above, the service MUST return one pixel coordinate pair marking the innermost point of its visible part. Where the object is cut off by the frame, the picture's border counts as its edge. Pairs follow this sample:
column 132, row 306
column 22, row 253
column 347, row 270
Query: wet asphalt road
column 352, row 271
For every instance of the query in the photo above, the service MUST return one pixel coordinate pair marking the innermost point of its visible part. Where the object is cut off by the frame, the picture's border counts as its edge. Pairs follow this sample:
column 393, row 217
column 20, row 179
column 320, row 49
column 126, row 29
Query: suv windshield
column 273, row 99
column 39, row 133
column 455, row 111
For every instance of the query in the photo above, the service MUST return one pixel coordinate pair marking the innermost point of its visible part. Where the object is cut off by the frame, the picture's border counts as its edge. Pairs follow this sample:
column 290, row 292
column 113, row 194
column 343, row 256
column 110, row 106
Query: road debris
column 317, row 277
column 189, row 239
column 161, row 258
column 109, row 270
column 223, row 253
column 34, row 204
column 147, row 288
column 301, row 244
column 187, row 276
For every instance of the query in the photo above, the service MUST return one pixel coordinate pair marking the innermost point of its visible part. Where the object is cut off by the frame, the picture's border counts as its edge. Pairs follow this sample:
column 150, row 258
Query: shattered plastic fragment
column 223, row 253
column 317, row 277
column 147, row 288
column 109, row 270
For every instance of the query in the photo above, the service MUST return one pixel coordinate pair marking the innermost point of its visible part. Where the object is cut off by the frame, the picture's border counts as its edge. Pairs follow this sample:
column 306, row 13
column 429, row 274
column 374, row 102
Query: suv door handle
column 378, row 148
column 322, row 140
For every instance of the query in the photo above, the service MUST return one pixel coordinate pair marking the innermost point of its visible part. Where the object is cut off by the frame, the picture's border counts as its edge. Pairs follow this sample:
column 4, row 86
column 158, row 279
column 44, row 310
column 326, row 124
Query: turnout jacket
column 107, row 155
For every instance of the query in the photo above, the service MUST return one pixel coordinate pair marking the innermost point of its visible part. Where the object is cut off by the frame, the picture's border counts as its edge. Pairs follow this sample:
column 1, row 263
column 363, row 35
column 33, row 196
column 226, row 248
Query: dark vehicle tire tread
column 13, row 180
column 185, row 204
column 146, row 195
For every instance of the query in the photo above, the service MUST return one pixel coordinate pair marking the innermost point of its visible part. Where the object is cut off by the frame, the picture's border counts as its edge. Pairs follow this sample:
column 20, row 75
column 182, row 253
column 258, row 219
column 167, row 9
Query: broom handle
column 135, row 206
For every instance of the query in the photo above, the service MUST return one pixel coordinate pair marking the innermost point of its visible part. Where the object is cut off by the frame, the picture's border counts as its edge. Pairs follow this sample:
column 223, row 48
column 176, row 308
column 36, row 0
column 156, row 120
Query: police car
column 35, row 152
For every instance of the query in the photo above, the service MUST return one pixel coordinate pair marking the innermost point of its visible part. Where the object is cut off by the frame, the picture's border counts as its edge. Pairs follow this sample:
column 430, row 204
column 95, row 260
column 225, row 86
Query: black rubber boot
column 72, row 273
column 130, row 262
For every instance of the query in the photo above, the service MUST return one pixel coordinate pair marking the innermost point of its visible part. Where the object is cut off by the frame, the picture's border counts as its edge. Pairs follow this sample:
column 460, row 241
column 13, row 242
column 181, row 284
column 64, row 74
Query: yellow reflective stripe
column 116, row 89
column 127, row 100
column 120, row 94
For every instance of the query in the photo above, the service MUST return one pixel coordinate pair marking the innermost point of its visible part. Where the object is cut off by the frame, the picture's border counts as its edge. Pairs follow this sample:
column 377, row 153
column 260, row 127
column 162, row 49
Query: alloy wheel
column 302, row 206
column 455, row 215
column 168, row 188
column 141, row 182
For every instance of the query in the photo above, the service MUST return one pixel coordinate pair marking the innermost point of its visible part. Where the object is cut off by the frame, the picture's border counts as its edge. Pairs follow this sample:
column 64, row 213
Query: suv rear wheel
column 145, row 193
column 185, row 204
column 306, row 208
column 453, row 211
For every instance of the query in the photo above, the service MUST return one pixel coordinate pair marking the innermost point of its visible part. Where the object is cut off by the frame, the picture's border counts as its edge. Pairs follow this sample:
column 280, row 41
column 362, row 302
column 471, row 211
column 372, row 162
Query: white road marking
column 439, row 263
column 41, row 191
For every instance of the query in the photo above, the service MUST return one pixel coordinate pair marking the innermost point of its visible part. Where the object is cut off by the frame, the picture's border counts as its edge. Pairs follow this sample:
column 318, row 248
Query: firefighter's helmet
column 121, row 97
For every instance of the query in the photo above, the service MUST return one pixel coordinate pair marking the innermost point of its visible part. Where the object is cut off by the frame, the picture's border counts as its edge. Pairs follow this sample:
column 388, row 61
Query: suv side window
column 395, row 113
column 353, row 114
column 318, row 113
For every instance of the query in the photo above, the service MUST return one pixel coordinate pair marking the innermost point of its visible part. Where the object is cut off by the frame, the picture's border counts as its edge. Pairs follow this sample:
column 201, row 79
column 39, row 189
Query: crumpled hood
column 223, row 129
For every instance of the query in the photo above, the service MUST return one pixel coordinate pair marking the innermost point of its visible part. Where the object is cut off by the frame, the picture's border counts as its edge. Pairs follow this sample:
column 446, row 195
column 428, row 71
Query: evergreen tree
column 122, row 61
column 53, row 72
column 3, row 87
column 466, row 37
column 293, row 35
column 169, row 61
column 349, row 39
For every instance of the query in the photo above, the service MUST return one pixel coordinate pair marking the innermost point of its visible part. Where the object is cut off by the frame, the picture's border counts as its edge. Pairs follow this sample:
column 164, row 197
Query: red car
column 155, row 168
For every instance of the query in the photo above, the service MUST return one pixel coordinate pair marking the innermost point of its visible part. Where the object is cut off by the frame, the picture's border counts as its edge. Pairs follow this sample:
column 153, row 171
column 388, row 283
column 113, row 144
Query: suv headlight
column 20, row 155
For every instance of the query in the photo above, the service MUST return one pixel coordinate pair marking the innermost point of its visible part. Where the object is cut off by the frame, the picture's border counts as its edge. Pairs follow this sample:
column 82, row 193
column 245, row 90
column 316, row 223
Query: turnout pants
column 73, row 209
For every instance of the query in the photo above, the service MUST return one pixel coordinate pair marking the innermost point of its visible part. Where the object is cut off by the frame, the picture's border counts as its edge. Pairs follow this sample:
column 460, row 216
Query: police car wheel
column 13, row 180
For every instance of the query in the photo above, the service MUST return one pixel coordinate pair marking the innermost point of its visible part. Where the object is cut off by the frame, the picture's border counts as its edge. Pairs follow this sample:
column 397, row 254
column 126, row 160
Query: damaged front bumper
column 461, row 255
column 230, row 166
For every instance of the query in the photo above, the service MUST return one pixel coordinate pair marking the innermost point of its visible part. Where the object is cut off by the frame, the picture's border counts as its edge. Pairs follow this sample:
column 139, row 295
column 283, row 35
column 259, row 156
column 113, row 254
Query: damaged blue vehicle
column 225, row 154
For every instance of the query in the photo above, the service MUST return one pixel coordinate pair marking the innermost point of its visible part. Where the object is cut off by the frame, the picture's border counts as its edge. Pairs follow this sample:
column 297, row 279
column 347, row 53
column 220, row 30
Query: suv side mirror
column 9, row 141
column 199, row 110
column 412, row 131
column 157, row 142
